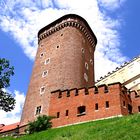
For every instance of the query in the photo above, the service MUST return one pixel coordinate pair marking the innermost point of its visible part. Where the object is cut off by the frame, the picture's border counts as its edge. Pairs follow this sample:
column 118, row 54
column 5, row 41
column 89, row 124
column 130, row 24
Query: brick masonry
column 115, row 94
column 62, row 79
column 64, row 60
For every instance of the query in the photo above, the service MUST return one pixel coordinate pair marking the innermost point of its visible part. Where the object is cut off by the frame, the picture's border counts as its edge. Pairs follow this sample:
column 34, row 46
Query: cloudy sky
column 116, row 23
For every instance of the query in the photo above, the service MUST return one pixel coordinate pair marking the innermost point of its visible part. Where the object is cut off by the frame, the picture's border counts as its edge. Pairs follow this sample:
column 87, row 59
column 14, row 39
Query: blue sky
column 116, row 23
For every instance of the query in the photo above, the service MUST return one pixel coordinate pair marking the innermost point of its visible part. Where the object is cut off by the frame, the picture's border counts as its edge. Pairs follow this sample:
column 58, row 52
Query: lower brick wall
column 65, row 105
column 135, row 101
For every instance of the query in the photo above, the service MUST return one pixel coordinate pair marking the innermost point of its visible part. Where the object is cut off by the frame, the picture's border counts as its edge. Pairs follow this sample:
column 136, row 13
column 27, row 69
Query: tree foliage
column 7, row 102
column 41, row 123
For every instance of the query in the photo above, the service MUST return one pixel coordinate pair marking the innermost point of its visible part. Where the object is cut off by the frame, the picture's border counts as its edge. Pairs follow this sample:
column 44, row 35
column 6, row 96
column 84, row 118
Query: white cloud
column 23, row 19
column 14, row 115
column 111, row 4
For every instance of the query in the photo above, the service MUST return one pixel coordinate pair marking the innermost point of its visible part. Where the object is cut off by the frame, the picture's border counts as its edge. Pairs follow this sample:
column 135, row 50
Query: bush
column 41, row 123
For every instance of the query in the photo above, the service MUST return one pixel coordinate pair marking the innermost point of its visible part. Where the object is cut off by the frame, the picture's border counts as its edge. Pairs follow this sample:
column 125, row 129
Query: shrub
column 41, row 123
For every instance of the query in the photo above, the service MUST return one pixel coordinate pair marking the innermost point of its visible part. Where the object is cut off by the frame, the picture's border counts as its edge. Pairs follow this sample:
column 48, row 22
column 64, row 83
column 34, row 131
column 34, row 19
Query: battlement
column 85, row 104
column 94, row 90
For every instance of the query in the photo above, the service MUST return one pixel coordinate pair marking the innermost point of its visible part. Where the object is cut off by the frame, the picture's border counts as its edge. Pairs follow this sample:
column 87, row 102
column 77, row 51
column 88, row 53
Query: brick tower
column 64, row 60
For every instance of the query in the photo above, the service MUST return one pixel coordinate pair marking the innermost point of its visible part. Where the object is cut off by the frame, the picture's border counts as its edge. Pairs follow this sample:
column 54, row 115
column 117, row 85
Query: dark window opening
column 68, row 93
column 82, row 50
column 60, row 95
column 139, row 108
column 107, row 104
column 81, row 110
column 129, row 109
column 58, row 115
column 123, row 103
column 95, row 90
column 106, row 89
column 86, row 91
column 76, row 92
column 41, row 54
column 67, row 112
column 38, row 110
column 96, row 106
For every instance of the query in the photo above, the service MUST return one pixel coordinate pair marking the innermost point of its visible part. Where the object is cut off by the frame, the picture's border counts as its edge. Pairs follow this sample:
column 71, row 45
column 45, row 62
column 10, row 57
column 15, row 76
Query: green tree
column 41, row 123
column 7, row 101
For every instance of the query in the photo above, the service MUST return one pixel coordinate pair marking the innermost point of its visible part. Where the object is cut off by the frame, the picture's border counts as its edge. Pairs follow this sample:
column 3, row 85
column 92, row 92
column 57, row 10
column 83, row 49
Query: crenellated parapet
column 94, row 91
column 70, row 20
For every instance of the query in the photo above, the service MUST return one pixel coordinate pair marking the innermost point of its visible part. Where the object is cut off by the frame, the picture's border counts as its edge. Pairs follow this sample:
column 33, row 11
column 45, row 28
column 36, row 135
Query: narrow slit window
column 96, row 106
column 58, row 115
column 124, row 103
column 139, row 108
column 107, row 104
column 67, row 112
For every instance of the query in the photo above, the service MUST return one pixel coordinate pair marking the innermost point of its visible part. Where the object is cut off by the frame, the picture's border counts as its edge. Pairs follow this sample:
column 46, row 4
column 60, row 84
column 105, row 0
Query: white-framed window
column 42, row 89
column 47, row 61
column 42, row 54
column 58, row 46
column 45, row 73
column 82, row 50
column 91, row 61
column 38, row 110
column 86, row 65
column 86, row 77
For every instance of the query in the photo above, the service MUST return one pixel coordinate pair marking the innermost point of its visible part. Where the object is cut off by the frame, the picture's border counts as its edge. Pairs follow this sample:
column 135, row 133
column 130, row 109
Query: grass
column 124, row 128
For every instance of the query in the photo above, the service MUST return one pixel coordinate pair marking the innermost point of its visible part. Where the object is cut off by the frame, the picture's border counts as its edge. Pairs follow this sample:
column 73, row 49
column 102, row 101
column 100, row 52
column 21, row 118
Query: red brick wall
column 135, row 101
column 125, row 101
column 72, row 102
column 66, row 67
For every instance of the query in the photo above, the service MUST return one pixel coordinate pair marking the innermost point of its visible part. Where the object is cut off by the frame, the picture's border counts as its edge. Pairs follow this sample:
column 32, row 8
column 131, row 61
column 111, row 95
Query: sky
column 116, row 24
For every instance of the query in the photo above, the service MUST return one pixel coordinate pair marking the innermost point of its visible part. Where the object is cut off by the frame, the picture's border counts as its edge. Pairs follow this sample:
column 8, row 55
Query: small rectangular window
column 41, row 55
column 38, row 110
column 96, row 106
column 45, row 73
column 42, row 90
column 67, row 112
column 47, row 61
column 107, row 104
column 58, row 115
column 81, row 110
column 139, row 108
